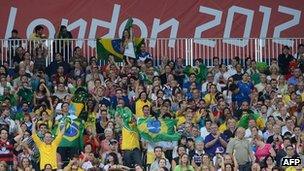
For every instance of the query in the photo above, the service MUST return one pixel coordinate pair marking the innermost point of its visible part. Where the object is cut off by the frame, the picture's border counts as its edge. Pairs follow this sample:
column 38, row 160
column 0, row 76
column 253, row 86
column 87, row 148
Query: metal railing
column 187, row 48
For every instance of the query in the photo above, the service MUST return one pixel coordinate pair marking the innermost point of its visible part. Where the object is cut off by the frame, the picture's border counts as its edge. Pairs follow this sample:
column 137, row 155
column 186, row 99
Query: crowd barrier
column 260, row 49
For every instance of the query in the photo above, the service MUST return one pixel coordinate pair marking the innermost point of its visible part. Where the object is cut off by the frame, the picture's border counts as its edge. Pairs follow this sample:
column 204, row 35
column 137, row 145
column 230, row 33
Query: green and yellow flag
column 73, row 135
column 155, row 130
column 106, row 47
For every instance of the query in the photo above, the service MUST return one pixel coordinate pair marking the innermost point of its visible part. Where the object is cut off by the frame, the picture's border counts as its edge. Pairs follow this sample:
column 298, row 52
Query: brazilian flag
column 244, row 121
column 106, row 47
column 79, row 100
column 126, row 114
column 155, row 130
column 73, row 135
column 200, row 72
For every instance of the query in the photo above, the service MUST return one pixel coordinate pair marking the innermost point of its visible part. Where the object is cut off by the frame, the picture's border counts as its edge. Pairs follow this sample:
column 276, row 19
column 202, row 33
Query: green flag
column 126, row 114
column 155, row 130
column 73, row 135
column 129, row 24
column 106, row 47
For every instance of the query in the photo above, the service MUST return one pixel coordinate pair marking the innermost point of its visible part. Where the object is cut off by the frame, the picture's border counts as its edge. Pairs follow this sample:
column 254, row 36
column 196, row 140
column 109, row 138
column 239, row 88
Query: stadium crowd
column 236, row 116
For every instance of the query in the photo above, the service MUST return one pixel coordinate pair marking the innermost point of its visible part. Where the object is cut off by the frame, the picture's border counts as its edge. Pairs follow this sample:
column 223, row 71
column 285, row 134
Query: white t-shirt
column 204, row 132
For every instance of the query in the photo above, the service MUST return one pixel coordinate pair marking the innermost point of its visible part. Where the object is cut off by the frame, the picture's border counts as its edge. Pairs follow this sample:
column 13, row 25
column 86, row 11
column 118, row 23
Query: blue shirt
column 211, row 150
column 240, row 98
column 245, row 88
column 293, row 80
column 142, row 56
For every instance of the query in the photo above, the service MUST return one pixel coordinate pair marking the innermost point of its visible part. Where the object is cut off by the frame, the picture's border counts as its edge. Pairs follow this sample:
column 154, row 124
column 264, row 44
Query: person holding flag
column 127, row 40
column 127, row 46
column 48, row 147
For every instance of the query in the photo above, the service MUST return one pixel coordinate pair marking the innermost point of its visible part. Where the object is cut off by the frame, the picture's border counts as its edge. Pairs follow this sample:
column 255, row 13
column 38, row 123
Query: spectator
column 14, row 43
column 38, row 33
column 7, row 146
column 284, row 59
column 240, row 148
column 214, row 140
column 142, row 101
column 239, row 74
column 130, row 146
column 263, row 150
column 47, row 147
column 78, row 56
column 184, row 164
column 198, row 155
column 299, row 52
column 176, row 160
column 157, row 164
column 142, row 55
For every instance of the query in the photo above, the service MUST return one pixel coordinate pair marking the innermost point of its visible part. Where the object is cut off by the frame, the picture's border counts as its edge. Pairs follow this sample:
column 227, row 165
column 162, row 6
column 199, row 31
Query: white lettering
column 199, row 29
column 157, row 27
column 139, row 23
column 41, row 21
column 249, row 13
column 100, row 23
column 10, row 24
column 81, row 23
column 265, row 23
column 295, row 21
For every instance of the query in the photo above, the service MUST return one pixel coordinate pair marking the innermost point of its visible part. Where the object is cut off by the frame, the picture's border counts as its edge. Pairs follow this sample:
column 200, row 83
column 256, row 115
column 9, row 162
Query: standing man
column 284, row 59
column 214, row 140
column 239, row 147
column 130, row 143
column 47, row 147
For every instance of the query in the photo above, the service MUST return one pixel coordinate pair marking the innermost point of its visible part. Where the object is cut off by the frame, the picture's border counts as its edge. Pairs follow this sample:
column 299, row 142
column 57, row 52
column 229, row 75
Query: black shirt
column 283, row 62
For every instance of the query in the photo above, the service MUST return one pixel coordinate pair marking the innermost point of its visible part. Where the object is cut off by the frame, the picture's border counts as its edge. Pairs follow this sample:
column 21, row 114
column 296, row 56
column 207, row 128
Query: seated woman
column 268, row 163
column 25, row 165
column 112, row 163
column 184, row 164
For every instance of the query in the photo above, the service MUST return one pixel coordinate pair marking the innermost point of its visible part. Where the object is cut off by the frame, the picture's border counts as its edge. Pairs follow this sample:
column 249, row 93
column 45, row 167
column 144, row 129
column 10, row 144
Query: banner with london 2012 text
column 157, row 18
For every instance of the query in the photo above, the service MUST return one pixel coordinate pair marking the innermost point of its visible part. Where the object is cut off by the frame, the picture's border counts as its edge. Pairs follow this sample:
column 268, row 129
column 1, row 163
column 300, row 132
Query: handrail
column 260, row 49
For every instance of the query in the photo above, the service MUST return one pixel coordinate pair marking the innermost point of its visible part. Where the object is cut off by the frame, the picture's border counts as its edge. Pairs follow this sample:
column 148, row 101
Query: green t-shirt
column 183, row 168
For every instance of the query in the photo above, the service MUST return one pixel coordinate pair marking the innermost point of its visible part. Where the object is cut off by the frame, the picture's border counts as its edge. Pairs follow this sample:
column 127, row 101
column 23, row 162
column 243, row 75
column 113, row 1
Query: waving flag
column 106, row 47
column 73, row 135
column 126, row 114
column 155, row 130
column 200, row 72
column 244, row 121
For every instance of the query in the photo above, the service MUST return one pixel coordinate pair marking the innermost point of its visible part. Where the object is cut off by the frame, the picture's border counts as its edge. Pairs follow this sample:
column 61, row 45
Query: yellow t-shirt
column 130, row 140
column 210, row 99
column 48, row 153
column 286, row 98
column 223, row 127
column 182, row 118
column 139, row 104
column 292, row 168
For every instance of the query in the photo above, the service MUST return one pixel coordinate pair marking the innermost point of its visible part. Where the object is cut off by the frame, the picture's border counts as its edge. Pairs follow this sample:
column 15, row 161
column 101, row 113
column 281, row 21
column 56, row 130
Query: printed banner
column 159, row 18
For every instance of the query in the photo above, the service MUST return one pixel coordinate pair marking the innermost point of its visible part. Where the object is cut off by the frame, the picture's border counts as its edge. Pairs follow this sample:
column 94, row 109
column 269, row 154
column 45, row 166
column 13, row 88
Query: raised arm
column 59, row 136
column 20, row 132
